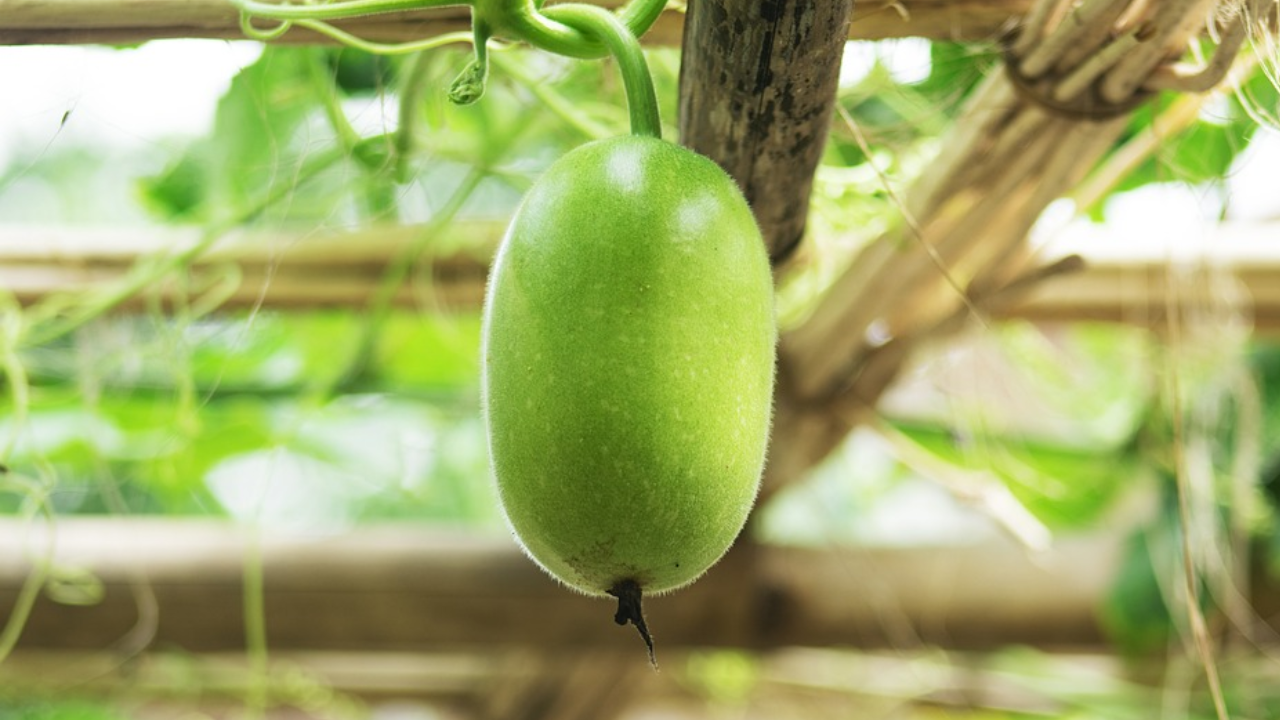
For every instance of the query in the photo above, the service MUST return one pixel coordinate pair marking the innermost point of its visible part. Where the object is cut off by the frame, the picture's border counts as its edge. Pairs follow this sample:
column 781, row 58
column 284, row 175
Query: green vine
column 571, row 29
column 642, row 101
column 519, row 19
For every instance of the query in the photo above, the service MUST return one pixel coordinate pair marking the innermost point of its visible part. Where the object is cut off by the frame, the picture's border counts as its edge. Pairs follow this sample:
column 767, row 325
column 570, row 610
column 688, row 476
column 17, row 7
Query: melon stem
column 629, row 611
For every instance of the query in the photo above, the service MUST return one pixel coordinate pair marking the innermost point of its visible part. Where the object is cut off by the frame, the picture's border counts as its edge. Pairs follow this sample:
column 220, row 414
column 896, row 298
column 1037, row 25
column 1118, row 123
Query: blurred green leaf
column 422, row 351
column 250, row 148
column 1204, row 153
column 60, row 709
column 724, row 676
column 955, row 70
column 357, row 72
column 1062, row 487
column 1134, row 613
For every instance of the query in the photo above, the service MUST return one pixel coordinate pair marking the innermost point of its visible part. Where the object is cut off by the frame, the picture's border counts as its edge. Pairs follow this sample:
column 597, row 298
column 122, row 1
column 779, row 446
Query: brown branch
column 757, row 90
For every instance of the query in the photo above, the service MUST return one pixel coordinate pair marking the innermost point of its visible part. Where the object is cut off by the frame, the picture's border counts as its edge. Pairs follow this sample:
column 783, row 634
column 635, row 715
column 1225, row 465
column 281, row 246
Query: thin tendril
column 378, row 48
column 253, row 33
column 398, row 272
column 526, row 22
column 29, row 593
column 336, row 10
column 411, row 82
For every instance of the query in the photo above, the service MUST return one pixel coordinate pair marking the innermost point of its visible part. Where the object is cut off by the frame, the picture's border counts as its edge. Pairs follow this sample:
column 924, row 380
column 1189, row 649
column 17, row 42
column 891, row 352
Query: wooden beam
column 248, row 270
column 71, row 22
column 592, row 684
column 1225, row 273
column 410, row 589
column 793, row 682
column 445, row 678
column 1236, row 267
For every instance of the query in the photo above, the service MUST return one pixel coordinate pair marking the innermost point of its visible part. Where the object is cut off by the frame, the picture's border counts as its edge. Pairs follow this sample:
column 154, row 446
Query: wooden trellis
column 28, row 22
column 1110, row 282
column 1028, row 136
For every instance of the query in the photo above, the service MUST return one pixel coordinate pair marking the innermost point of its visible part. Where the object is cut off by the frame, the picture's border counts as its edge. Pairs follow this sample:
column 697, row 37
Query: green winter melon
column 628, row 366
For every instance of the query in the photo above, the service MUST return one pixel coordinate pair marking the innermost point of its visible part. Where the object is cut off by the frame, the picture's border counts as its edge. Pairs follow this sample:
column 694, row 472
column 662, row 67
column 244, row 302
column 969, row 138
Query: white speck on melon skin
column 626, row 171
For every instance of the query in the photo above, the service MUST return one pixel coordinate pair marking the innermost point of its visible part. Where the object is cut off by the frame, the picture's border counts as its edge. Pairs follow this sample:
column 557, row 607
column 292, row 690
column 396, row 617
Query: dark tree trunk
column 757, row 88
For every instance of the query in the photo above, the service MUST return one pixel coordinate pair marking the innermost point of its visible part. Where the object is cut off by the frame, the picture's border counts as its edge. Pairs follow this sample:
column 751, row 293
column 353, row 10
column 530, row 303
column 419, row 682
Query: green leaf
column 955, row 70
column 1134, row 614
column 1062, row 487
column 1258, row 100
column 62, row 709
column 357, row 72
column 431, row 352
column 1204, row 152
column 251, row 147
column 179, row 191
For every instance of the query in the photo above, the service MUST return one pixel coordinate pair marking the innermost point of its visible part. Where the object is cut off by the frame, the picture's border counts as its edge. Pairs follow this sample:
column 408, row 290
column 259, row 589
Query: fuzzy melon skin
column 628, row 366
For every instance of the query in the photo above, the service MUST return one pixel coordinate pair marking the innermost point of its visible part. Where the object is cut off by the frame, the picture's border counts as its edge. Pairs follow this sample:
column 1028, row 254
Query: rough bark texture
column 757, row 89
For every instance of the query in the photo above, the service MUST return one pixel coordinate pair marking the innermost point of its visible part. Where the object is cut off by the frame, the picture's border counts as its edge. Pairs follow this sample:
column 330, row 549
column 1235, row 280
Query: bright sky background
column 117, row 97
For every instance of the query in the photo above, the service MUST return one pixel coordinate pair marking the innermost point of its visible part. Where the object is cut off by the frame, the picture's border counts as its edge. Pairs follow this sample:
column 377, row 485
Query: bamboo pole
column 414, row 589
column 281, row 270
column 293, row 272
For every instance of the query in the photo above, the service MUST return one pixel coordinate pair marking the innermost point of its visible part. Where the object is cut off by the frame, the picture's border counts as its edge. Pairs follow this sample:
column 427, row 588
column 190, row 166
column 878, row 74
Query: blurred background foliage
column 318, row 421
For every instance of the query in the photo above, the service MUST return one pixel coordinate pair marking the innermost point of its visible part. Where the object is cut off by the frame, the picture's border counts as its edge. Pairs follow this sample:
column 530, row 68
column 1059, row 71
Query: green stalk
column 542, row 27
column 321, row 78
column 410, row 91
column 640, row 15
column 253, row 603
column 642, row 101
column 377, row 48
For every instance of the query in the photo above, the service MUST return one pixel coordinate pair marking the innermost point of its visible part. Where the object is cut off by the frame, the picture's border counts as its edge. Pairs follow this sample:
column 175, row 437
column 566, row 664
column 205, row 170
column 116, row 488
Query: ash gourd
column 628, row 335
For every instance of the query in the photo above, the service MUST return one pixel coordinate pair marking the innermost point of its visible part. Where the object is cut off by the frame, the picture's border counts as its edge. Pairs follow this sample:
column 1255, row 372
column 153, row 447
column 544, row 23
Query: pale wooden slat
column 1123, row 281
column 275, row 270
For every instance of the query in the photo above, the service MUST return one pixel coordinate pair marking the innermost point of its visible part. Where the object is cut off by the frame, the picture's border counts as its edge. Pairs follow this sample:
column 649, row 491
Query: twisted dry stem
column 1080, row 22
column 1215, row 71
column 1101, row 58
column 1013, row 150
